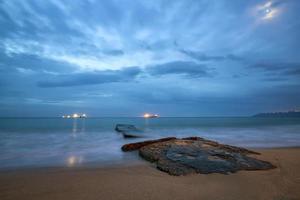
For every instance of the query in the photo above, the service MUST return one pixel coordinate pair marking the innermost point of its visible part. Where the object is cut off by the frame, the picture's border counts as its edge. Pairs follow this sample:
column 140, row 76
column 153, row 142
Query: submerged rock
column 125, row 127
column 197, row 155
column 130, row 135
column 128, row 131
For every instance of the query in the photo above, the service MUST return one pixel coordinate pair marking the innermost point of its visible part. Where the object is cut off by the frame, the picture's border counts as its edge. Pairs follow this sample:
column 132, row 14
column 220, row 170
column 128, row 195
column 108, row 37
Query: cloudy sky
column 127, row 57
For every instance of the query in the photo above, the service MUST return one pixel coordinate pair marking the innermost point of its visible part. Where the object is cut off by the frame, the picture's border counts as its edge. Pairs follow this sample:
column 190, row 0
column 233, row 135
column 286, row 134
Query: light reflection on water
column 74, row 129
column 74, row 160
column 78, row 125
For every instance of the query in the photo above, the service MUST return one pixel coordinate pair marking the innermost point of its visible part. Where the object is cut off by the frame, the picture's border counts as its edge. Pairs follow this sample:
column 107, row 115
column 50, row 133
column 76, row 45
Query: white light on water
column 74, row 160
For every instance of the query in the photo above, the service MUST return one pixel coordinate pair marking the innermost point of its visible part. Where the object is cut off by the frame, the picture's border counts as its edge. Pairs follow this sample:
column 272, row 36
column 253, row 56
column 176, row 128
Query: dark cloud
column 91, row 78
column 114, row 52
column 200, row 56
column 39, row 22
column 275, row 66
column 294, row 72
column 278, row 71
column 33, row 62
column 190, row 69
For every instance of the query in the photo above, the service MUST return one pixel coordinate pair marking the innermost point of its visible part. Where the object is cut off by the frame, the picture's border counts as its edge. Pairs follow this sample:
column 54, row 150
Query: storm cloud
column 90, row 78
column 190, row 69
column 176, row 58
column 278, row 71
column 200, row 56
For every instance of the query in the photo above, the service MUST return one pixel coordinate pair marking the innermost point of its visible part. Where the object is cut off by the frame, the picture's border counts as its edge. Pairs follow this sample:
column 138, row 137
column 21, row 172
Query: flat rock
column 125, row 127
column 197, row 155
column 129, row 131
column 138, row 145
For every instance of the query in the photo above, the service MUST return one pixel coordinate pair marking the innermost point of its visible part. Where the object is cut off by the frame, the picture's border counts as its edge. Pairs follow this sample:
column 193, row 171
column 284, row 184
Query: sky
column 126, row 57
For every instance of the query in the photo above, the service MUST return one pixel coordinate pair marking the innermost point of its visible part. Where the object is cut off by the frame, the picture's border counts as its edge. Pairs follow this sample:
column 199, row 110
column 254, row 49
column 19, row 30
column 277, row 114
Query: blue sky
column 127, row 57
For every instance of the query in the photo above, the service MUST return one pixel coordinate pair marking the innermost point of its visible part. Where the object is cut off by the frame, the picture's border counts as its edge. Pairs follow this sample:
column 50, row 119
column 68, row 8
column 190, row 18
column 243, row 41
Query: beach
column 141, row 180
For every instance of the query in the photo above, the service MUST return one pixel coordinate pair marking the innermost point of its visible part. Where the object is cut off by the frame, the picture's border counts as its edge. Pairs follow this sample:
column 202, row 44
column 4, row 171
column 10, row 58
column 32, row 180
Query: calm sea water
column 45, row 142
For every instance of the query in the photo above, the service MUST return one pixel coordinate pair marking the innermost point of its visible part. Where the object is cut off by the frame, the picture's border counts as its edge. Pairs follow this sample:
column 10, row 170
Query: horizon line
column 128, row 116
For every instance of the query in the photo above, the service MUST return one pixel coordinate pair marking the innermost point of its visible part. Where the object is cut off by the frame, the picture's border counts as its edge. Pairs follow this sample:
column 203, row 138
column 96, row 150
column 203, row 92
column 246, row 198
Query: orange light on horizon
column 148, row 115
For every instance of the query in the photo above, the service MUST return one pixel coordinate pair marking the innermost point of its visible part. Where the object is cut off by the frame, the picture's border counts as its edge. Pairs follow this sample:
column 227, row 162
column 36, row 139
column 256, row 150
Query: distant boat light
column 75, row 116
column 148, row 115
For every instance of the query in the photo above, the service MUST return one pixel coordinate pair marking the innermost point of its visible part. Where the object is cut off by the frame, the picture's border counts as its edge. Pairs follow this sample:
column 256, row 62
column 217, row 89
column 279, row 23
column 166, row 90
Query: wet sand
column 143, row 181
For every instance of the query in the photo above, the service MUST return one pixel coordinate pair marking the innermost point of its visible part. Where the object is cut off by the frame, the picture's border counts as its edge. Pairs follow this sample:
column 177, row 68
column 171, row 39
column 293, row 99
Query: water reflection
column 82, row 125
column 74, row 160
column 78, row 126
column 74, row 129
column 146, row 120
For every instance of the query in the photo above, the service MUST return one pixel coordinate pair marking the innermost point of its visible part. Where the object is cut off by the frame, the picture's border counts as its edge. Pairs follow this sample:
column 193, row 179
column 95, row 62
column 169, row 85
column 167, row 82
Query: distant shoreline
column 289, row 114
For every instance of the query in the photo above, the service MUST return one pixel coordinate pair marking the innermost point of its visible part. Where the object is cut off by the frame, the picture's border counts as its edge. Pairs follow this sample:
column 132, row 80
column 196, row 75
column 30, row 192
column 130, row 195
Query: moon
column 267, row 11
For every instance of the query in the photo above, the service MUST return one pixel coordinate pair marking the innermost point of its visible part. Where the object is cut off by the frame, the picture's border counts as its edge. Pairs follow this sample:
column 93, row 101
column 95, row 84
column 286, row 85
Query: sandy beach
column 142, row 181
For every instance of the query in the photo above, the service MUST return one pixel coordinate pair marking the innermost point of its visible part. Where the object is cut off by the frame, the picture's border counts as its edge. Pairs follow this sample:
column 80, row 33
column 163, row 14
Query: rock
column 126, row 135
column 138, row 145
column 223, row 146
column 128, row 131
column 125, row 127
column 197, row 155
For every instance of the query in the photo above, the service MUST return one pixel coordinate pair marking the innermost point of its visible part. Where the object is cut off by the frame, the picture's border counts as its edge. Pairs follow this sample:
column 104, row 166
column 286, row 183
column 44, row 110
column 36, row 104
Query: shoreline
column 117, row 163
column 141, row 180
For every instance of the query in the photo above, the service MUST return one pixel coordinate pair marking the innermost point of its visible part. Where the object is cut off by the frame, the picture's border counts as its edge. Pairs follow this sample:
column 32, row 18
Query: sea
column 57, row 142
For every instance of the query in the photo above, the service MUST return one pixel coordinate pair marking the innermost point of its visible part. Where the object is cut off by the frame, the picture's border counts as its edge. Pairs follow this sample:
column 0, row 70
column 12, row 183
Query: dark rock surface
column 138, row 145
column 128, row 131
column 197, row 155
column 130, row 135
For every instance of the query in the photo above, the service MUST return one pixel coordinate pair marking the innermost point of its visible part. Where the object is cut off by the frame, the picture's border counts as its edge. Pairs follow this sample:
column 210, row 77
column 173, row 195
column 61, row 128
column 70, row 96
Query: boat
column 74, row 116
column 149, row 115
